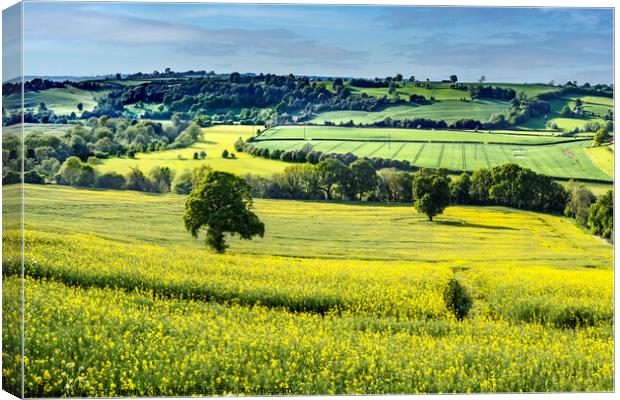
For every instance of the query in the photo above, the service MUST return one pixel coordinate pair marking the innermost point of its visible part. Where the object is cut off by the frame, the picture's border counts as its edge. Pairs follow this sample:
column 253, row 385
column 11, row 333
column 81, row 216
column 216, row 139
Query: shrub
column 110, row 180
column 457, row 299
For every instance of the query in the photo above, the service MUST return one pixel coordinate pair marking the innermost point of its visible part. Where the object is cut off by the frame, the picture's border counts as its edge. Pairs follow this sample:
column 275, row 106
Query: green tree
column 459, row 189
column 182, row 183
column 454, row 79
column 80, row 107
column 601, row 216
column 161, row 178
column 225, row 153
column 578, row 205
column 195, row 155
column 331, row 172
column 71, row 171
column 431, row 192
column 136, row 180
column 221, row 203
column 363, row 176
column 601, row 137
column 480, row 183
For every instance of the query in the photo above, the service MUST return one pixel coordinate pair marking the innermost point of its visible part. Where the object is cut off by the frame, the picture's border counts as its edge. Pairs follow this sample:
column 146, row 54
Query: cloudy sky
column 504, row 44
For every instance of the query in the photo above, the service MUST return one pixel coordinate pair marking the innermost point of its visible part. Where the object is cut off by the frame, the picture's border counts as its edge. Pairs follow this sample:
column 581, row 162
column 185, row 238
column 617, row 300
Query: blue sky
column 504, row 44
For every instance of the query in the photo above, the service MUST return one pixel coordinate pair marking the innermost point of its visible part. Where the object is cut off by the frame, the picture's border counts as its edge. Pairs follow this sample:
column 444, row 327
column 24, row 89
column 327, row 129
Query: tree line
column 98, row 138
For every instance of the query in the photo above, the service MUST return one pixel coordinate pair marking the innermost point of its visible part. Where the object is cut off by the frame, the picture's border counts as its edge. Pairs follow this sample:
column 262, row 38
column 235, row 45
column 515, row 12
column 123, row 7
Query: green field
column 29, row 129
column 448, row 110
column 568, row 124
column 214, row 141
column 62, row 101
column 289, row 132
column 442, row 90
column 562, row 160
column 332, row 300
column 530, row 89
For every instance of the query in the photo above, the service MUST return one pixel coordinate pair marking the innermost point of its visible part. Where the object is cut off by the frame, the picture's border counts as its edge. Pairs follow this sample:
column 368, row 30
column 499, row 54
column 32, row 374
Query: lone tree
column 453, row 78
column 221, row 203
column 431, row 192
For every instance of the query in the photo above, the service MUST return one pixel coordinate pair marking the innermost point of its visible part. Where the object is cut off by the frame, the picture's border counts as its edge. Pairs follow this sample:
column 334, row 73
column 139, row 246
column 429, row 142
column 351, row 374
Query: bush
column 33, row 177
column 10, row 178
column 225, row 154
column 110, row 180
column 457, row 299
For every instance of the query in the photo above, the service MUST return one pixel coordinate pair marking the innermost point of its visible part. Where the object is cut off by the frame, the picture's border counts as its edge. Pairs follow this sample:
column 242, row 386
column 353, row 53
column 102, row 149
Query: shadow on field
column 463, row 224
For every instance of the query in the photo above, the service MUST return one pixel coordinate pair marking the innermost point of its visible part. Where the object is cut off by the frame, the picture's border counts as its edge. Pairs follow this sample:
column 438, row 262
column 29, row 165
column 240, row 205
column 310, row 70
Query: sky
column 503, row 44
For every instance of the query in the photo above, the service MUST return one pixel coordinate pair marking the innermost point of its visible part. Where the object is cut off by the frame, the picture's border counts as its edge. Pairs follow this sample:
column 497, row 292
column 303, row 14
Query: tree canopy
column 431, row 192
column 221, row 203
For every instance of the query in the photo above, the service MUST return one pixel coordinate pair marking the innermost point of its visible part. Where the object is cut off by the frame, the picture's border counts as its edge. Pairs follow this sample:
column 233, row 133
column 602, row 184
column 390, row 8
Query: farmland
column 594, row 104
column 442, row 91
column 448, row 110
column 332, row 300
column 62, row 101
column 214, row 141
column 560, row 157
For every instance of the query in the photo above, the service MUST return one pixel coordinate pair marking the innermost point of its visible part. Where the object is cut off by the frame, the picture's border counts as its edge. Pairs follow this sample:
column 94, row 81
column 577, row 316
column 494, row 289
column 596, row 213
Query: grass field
column 448, row 110
column 562, row 160
column 600, row 107
column 361, row 286
column 214, row 141
column 413, row 135
column 442, row 90
column 62, row 101
column 28, row 129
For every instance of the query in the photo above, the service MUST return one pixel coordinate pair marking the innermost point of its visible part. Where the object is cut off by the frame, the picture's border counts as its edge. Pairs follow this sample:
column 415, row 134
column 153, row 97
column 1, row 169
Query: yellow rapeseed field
column 140, row 314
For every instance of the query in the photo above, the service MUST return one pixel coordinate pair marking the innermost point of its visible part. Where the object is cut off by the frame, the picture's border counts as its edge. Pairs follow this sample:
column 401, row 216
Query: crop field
column 335, row 307
column 62, row 101
column 602, row 157
column 448, row 110
column 331, row 229
column 215, row 140
column 544, row 154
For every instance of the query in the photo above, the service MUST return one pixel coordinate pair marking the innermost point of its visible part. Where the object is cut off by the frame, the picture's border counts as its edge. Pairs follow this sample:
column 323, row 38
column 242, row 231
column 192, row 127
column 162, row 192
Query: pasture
column 559, row 157
column 442, row 90
column 331, row 301
column 215, row 140
column 44, row 129
column 595, row 104
column 62, row 101
column 447, row 110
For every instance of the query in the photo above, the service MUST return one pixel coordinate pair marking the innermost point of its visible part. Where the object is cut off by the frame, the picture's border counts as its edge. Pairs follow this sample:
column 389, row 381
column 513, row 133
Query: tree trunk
column 430, row 218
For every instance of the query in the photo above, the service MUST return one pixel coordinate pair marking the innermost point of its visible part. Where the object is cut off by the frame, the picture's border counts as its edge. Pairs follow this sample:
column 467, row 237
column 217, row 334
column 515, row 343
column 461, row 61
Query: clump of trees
column 98, row 138
column 601, row 216
column 221, row 204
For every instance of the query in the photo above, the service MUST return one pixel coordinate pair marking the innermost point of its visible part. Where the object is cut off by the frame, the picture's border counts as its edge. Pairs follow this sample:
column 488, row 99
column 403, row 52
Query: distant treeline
column 200, row 96
column 367, row 83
